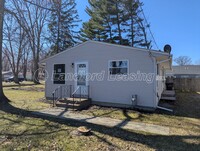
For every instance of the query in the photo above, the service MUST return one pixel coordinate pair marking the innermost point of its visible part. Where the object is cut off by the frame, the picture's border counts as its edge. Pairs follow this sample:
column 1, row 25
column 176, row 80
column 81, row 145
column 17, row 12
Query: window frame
column 59, row 82
column 114, row 67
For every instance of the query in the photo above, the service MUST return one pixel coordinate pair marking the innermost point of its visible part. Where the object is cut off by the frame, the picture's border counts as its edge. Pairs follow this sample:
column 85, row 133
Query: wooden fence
column 187, row 84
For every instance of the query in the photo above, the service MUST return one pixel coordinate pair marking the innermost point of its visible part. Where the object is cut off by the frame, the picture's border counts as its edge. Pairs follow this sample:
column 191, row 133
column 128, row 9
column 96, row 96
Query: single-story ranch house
column 109, row 74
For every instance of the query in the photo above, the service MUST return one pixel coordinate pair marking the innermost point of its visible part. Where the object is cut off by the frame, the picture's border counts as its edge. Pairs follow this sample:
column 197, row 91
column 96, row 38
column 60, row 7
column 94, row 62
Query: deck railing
column 61, row 92
column 68, row 91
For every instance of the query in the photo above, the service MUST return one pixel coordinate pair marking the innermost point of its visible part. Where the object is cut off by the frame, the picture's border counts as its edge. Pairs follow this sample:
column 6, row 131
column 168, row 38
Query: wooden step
column 168, row 98
column 168, row 93
column 60, row 104
column 77, row 104
column 71, row 100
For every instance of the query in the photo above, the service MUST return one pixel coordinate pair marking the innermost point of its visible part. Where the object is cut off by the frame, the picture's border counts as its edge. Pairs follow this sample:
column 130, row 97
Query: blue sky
column 174, row 22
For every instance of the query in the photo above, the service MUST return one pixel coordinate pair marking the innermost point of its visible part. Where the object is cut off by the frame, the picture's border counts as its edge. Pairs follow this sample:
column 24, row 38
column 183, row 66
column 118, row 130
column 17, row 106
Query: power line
column 148, row 26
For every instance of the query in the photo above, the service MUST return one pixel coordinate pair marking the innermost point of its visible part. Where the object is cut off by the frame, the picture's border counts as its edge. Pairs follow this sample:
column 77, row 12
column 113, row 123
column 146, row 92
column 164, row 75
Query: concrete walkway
column 110, row 122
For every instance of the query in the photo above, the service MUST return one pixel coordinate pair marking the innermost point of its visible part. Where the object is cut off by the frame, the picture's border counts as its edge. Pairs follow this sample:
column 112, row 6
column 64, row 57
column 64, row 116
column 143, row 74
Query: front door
column 81, row 82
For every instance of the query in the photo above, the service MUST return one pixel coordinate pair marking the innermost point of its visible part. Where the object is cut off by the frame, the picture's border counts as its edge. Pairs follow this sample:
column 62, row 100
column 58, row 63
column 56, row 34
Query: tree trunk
column 132, row 30
column 16, row 79
column 25, row 64
column 2, row 96
column 119, row 25
column 35, row 71
column 58, row 32
column 25, row 70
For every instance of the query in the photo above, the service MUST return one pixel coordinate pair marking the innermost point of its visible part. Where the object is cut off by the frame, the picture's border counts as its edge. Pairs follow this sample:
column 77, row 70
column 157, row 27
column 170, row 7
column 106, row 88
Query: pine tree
column 142, row 29
column 115, row 21
column 116, row 12
column 98, row 26
column 62, row 23
column 132, row 11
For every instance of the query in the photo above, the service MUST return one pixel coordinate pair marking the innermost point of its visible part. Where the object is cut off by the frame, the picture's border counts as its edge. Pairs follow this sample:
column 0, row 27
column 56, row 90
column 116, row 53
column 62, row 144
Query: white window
column 118, row 67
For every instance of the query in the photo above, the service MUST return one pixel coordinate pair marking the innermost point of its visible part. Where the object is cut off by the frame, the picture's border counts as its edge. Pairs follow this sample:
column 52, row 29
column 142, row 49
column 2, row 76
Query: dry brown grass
column 25, row 133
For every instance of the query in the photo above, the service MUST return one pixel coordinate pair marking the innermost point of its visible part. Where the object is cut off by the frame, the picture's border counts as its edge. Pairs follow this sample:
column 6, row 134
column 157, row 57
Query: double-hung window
column 59, row 74
column 118, row 67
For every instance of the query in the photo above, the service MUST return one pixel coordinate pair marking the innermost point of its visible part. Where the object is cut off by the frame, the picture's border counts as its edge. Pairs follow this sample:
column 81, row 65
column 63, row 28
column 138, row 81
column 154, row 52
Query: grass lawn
column 184, row 121
column 26, row 96
column 25, row 133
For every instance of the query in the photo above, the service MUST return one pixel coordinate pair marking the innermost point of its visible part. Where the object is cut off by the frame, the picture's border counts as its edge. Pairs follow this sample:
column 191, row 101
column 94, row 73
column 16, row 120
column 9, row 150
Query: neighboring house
column 134, row 68
column 185, row 71
column 6, row 75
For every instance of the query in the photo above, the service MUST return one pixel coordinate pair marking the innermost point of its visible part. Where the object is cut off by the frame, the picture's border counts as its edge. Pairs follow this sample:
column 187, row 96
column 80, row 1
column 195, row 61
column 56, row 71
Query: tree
column 98, row 27
column 105, row 23
column 117, row 18
column 26, row 53
column 115, row 21
column 14, row 43
column 142, row 29
column 5, row 62
column 183, row 60
column 2, row 2
column 133, row 31
column 32, row 18
column 61, row 25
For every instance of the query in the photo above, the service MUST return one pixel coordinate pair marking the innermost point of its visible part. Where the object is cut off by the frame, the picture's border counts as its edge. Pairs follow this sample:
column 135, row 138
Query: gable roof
column 113, row 45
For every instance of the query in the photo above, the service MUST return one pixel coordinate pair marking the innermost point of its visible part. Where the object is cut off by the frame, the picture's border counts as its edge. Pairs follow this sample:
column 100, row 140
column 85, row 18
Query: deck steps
column 168, row 98
column 169, row 95
column 74, row 103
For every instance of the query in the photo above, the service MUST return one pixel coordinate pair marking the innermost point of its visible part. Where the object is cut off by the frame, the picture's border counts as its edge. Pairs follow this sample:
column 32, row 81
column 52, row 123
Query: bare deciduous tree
column 32, row 18
column 14, row 43
column 183, row 60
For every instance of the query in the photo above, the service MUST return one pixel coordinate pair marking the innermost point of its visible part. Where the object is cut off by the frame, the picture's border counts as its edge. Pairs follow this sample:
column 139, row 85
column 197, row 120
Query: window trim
column 109, row 61
column 62, row 73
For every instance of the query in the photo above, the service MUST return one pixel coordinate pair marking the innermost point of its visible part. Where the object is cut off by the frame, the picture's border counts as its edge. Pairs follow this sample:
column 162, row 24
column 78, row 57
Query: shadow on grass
column 158, row 142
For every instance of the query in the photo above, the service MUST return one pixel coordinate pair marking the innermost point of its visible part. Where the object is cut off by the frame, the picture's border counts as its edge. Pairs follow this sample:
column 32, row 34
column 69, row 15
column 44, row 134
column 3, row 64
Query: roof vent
column 167, row 48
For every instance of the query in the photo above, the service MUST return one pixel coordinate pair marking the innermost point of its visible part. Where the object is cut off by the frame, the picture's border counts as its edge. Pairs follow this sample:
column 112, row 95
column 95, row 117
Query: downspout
column 155, row 82
column 163, row 108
